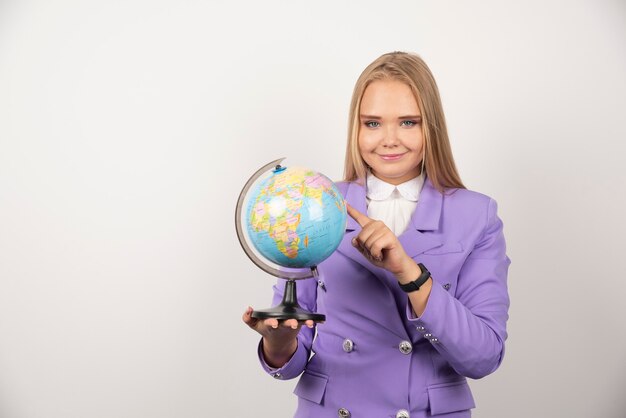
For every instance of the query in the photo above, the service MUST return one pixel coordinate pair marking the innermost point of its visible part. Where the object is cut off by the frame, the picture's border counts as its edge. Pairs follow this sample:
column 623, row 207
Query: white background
column 128, row 127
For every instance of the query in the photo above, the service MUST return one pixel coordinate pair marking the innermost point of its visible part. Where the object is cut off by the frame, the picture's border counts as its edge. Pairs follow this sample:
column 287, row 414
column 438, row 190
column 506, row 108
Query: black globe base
column 289, row 308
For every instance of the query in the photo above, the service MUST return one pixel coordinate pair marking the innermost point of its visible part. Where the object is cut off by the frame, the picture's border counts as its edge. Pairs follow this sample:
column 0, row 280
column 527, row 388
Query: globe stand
column 289, row 308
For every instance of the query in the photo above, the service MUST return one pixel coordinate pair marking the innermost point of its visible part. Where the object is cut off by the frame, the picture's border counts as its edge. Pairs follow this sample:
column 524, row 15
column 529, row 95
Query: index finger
column 361, row 218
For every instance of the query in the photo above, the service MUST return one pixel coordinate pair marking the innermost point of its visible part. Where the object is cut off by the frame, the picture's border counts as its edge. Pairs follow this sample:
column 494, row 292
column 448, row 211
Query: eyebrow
column 401, row 117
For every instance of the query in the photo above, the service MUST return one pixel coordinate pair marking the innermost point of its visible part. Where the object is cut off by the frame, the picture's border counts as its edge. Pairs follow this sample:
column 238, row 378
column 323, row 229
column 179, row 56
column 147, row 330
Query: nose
column 391, row 136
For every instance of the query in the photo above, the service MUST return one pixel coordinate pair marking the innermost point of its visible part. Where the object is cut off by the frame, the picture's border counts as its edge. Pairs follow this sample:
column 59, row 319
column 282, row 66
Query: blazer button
column 403, row 413
column 344, row 413
column 405, row 347
column 348, row 345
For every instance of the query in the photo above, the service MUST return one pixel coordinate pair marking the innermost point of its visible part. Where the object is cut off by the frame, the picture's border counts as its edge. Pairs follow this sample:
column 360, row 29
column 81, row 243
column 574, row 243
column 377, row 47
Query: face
column 390, row 134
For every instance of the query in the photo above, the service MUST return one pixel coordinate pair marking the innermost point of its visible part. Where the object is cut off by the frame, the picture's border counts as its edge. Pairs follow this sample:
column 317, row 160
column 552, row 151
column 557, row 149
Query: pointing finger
column 361, row 218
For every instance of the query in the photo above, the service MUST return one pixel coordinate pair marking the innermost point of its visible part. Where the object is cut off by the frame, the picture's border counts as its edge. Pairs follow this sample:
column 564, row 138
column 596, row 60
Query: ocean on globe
column 296, row 217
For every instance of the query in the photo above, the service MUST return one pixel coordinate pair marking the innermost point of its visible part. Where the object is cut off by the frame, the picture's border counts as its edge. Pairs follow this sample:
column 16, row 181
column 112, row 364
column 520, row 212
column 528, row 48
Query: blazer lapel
column 425, row 218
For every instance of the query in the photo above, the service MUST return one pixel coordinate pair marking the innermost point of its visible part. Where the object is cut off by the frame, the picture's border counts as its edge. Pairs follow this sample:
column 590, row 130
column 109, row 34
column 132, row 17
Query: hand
column 279, row 337
column 382, row 248
column 272, row 327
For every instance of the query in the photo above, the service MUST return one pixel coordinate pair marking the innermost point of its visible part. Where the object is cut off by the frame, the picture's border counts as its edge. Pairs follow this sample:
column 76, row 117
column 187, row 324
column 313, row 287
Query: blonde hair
column 410, row 69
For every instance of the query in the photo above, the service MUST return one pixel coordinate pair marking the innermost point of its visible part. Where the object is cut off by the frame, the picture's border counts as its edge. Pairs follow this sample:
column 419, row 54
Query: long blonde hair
column 410, row 69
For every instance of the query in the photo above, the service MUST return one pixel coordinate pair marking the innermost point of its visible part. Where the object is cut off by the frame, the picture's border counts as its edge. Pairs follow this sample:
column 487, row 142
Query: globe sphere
column 296, row 217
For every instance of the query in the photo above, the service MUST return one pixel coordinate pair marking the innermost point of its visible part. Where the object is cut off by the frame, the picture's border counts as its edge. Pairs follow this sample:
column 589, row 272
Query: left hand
column 381, row 247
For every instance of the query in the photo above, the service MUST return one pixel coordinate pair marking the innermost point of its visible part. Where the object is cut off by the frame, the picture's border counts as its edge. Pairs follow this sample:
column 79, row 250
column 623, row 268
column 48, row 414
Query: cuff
column 290, row 369
column 427, row 321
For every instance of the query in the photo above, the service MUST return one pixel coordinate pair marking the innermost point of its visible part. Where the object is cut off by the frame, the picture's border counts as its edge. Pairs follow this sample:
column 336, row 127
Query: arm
column 469, row 331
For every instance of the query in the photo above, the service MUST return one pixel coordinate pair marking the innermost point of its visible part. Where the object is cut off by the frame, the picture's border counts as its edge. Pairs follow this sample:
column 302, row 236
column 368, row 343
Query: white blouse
column 394, row 205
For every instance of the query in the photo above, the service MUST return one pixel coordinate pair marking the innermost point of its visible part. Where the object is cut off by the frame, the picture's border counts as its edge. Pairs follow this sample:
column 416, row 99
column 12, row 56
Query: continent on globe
column 296, row 217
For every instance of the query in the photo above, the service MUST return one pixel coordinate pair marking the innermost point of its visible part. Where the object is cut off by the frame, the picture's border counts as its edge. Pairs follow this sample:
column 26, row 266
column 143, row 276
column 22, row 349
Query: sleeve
column 306, row 291
column 469, row 330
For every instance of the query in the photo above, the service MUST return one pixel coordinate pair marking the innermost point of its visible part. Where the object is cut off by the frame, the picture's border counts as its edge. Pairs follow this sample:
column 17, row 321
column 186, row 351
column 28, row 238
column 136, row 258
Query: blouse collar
column 380, row 190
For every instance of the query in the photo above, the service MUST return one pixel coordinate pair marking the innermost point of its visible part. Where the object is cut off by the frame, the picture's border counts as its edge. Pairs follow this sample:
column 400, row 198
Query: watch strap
column 417, row 283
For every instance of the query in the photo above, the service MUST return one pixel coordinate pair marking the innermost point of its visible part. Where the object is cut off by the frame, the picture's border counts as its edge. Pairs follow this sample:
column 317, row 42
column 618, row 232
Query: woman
column 415, row 296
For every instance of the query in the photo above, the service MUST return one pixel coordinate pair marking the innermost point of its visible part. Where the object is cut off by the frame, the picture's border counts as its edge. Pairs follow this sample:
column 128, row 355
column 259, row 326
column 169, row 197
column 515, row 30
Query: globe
column 296, row 217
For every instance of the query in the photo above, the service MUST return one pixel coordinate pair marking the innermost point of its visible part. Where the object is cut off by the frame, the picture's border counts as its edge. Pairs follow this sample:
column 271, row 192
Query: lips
column 391, row 157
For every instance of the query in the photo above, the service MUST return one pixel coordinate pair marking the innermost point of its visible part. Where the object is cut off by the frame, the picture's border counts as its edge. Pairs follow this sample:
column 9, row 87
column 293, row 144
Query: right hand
column 279, row 337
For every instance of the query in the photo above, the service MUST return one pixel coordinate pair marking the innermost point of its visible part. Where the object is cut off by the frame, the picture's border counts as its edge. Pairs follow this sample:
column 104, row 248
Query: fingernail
column 354, row 242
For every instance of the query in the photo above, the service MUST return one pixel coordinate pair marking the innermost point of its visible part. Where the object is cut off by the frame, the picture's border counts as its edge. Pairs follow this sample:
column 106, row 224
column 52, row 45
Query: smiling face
column 390, row 134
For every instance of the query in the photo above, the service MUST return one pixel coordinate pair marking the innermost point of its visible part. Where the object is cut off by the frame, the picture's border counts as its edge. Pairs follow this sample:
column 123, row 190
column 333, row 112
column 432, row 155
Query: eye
column 409, row 123
column 372, row 124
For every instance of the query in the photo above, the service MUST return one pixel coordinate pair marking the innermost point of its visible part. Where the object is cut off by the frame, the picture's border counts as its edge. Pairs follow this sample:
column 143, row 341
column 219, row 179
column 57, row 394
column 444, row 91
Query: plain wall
column 127, row 129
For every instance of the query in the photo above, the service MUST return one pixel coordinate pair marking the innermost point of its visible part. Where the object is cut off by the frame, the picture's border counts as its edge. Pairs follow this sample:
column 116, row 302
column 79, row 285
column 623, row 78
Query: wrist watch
column 417, row 283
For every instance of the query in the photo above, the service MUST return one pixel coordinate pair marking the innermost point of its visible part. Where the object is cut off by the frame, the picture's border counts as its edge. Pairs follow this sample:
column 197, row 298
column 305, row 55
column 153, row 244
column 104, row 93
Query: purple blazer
column 372, row 357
